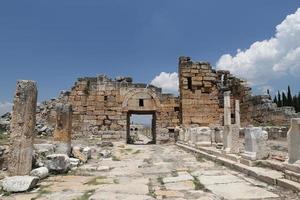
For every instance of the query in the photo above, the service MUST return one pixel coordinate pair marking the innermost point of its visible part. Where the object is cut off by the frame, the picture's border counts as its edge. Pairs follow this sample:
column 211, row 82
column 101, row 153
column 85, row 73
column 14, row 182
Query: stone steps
column 270, row 176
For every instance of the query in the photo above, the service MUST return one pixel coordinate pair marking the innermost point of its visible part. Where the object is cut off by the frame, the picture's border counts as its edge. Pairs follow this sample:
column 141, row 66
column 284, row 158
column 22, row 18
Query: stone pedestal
column 293, row 138
column 203, row 136
column 256, row 144
column 22, row 128
column 63, row 128
column 187, row 136
column 181, row 134
column 231, row 139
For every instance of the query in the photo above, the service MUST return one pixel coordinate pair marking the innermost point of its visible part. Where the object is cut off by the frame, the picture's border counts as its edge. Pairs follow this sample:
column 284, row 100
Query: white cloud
column 264, row 88
column 5, row 107
column 167, row 81
column 268, row 59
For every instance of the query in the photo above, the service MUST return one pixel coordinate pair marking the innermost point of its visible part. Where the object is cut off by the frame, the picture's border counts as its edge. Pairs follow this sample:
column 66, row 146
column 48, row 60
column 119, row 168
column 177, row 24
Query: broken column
column 293, row 138
column 256, row 144
column 231, row 138
column 231, row 132
column 22, row 128
column 227, row 110
column 237, row 113
column 63, row 128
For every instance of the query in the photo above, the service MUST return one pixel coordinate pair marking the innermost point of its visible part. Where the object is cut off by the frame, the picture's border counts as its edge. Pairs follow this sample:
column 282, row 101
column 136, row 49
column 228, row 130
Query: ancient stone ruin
column 88, row 130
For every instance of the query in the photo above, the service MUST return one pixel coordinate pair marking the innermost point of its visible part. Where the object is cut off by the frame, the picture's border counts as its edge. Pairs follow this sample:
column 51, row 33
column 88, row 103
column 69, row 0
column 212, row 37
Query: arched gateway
column 103, row 107
column 141, row 101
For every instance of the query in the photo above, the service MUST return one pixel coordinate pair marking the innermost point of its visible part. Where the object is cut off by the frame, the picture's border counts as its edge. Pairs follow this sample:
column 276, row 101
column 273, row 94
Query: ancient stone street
column 146, row 172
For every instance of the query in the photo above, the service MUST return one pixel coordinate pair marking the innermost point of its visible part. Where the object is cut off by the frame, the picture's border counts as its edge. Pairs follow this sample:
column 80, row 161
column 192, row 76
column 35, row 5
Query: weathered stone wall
column 260, row 110
column 201, row 93
column 101, row 106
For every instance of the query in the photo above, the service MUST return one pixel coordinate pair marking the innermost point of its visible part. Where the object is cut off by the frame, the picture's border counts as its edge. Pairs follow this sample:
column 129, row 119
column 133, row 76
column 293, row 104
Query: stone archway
column 141, row 101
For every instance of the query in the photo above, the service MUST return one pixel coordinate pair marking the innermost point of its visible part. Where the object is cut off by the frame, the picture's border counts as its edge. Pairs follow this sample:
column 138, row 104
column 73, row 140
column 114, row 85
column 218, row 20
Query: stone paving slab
column 240, row 190
column 185, row 177
column 222, row 179
column 183, row 185
column 100, row 195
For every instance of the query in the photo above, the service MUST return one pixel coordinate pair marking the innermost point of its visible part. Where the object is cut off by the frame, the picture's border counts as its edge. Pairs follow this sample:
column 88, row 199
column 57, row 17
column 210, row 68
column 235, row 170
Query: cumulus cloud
column 270, row 58
column 5, row 107
column 167, row 81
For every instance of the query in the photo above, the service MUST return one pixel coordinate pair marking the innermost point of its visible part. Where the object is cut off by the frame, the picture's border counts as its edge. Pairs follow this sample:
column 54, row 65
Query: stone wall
column 260, row 110
column 201, row 93
column 101, row 106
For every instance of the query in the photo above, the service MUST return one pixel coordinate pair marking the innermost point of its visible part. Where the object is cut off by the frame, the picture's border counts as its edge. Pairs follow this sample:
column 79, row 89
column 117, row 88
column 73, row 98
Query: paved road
column 146, row 172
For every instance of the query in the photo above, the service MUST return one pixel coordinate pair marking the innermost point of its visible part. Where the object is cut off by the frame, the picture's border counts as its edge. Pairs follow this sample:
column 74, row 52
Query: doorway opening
column 141, row 127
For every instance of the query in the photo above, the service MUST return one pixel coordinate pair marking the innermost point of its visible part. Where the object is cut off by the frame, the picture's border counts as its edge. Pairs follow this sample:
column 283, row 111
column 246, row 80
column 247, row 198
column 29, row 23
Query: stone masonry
column 103, row 106
column 22, row 128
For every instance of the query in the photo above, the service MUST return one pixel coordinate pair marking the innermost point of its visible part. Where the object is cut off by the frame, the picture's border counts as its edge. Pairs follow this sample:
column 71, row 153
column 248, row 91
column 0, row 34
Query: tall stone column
column 22, row 128
column 63, row 128
column 293, row 138
column 237, row 113
column 227, row 110
column 231, row 132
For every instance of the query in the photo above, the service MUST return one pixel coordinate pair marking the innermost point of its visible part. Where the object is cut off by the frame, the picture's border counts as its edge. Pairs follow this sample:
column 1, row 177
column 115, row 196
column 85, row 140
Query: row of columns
column 23, row 124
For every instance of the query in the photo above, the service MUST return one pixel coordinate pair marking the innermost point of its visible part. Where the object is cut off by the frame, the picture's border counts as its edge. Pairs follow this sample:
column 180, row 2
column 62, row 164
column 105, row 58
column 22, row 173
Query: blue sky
column 55, row 42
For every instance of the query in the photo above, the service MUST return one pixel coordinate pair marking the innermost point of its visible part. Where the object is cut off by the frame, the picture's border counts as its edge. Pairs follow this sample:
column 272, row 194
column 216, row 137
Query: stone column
column 231, row 138
column 63, row 128
column 22, row 128
column 293, row 138
column 256, row 147
column 227, row 110
column 237, row 113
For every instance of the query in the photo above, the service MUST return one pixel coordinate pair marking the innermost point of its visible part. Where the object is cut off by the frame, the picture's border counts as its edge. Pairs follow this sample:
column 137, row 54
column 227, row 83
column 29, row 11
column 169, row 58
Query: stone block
column 256, row 144
column 81, row 153
column 19, row 183
column 41, row 172
column 293, row 138
column 58, row 163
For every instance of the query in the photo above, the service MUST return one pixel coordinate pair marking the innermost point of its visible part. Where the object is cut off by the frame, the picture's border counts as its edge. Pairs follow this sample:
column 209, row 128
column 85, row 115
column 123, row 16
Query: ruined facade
column 201, row 92
column 102, row 106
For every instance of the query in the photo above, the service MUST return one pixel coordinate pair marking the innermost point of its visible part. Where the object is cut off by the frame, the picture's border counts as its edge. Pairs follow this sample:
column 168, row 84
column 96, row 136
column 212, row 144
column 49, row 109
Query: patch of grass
column 200, row 158
column 42, row 191
column 174, row 173
column 115, row 158
column 151, row 189
column 86, row 195
column 4, row 139
column 160, row 180
column 6, row 194
column 148, row 161
column 137, row 152
column 198, row 184
column 116, row 181
column 99, row 180
column 128, row 150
